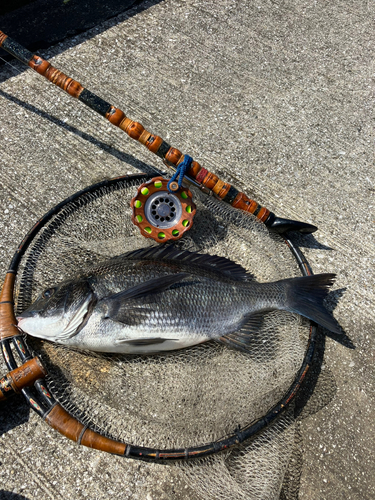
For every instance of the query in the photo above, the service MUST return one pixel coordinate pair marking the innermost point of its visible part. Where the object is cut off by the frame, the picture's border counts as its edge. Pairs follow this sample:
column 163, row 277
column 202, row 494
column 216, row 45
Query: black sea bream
column 160, row 299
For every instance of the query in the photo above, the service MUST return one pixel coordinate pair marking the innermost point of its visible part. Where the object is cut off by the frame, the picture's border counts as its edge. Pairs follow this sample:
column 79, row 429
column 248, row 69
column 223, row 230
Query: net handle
column 59, row 419
column 172, row 157
column 24, row 376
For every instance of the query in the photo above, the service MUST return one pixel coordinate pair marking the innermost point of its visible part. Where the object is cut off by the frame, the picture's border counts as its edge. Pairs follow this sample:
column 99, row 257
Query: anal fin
column 247, row 337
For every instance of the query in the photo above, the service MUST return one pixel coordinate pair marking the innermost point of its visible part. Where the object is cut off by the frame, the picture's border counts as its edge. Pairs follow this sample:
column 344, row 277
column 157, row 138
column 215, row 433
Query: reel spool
column 160, row 214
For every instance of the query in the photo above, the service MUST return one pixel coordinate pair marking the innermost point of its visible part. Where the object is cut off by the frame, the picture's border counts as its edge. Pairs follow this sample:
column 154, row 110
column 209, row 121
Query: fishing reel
column 160, row 213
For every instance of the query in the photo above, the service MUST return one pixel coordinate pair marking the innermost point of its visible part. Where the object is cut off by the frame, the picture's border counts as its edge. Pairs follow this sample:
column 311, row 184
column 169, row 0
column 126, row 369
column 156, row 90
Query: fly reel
column 161, row 214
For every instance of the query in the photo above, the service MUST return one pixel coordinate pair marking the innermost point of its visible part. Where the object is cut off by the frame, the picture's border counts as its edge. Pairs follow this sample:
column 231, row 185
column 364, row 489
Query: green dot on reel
column 188, row 209
column 158, row 184
column 175, row 232
column 144, row 190
column 184, row 195
column 137, row 204
column 148, row 230
column 139, row 218
column 185, row 223
column 161, row 236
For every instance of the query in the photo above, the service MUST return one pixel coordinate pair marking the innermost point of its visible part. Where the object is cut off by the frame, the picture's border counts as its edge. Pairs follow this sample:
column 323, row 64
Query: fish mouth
column 26, row 326
column 26, row 314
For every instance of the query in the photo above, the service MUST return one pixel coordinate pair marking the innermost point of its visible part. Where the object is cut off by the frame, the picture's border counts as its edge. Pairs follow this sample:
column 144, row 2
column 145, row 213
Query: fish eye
column 48, row 293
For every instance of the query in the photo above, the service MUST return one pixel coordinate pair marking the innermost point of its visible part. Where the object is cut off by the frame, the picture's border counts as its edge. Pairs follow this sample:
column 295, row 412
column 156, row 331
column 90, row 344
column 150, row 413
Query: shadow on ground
column 120, row 155
column 43, row 23
column 13, row 412
column 8, row 495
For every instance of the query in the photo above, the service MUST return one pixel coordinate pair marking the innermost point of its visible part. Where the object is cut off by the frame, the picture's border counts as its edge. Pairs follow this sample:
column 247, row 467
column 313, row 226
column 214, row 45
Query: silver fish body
column 161, row 299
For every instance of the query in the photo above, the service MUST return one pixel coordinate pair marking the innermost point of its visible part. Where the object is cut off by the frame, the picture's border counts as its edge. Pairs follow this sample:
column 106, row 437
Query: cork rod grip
column 158, row 146
column 135, row 130
column 55, row 76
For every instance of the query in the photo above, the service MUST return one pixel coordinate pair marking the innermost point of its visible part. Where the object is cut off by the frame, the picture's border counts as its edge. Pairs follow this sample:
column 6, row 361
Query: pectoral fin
column 154, row 285
column 143, row 342
column 126, row 306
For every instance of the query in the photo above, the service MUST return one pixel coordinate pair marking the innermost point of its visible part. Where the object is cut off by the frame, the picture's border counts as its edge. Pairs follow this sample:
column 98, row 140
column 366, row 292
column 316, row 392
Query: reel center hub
column 163, row 209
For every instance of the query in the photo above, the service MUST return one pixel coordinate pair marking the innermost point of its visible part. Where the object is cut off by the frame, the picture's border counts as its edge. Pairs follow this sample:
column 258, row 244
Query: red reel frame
column 160, row 214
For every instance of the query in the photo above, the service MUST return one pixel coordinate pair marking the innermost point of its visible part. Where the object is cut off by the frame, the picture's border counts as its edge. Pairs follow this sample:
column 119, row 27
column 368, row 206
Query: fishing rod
column 195, row 174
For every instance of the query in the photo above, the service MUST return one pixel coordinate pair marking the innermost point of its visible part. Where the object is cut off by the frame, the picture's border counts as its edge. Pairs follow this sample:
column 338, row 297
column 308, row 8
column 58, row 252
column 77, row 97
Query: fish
column 160, row 299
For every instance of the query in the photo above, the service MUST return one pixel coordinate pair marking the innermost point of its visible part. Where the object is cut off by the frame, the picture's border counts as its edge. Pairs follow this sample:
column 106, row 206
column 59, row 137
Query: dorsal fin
column 211, row 262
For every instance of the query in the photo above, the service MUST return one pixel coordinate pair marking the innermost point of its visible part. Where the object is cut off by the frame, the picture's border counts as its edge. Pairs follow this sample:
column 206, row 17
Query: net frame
column 44, row 404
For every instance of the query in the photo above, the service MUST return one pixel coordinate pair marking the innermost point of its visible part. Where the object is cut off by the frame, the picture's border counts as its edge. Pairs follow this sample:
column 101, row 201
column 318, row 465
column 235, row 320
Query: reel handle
column 153, row 143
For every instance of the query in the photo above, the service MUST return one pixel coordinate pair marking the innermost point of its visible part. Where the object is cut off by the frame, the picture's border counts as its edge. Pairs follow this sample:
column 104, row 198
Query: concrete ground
column 52, row 21
column 277, row 97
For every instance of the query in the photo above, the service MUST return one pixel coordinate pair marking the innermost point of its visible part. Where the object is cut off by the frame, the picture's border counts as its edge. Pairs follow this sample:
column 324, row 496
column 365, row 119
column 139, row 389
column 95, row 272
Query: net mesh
column 184, row 398
column 253, row 471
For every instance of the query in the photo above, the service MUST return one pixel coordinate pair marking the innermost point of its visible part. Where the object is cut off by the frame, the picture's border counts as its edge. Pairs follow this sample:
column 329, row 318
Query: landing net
column 184, row 398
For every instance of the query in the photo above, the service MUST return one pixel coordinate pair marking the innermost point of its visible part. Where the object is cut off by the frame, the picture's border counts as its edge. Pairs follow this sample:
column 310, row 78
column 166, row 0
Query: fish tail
column 305, row 296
